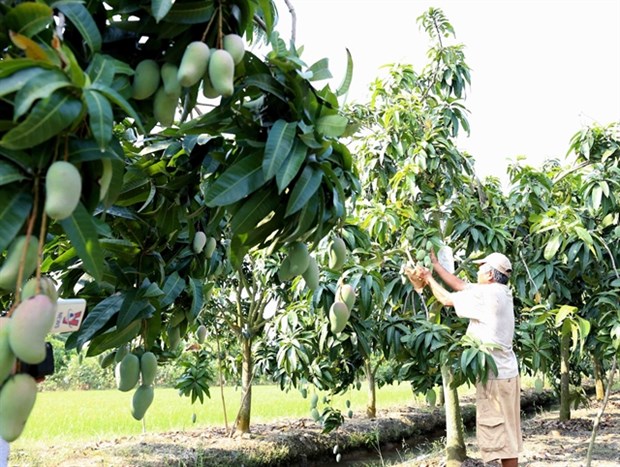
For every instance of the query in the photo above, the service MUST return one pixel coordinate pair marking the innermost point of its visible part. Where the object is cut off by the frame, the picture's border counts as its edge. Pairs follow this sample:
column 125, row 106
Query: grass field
column 98, row 415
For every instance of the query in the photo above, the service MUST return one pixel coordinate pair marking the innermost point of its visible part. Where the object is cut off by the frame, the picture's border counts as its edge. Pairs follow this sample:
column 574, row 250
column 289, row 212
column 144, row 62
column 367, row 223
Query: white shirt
column 490, row 310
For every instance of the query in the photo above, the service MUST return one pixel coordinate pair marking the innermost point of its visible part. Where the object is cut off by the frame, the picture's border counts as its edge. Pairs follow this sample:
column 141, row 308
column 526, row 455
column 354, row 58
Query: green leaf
column 552, row 247
column 256, row 208
column 348, row 77
column 114, row 338
column 101, row 69
column 132, row 310
column 564, row 312
column 307, row 185
column 197, row 296
column 9, row 173
column 279, row 143
column 98, row 317
column 18, row 79
column 173, row 287
column 291, row 165
column 119, row 100
column 584, row 235
column 332, row 125
column 237, row 182
column 160, row 8
column 190, row 12
column 101, row 118
column 81, row 230
column 38, row 87
column 320, row 70
column 79, row 15
column 14, row 210
column 49, row 117
column 29, row 18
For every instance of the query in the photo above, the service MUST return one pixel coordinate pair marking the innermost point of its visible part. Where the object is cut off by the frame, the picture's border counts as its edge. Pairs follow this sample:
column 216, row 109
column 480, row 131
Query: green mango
column 146, row 79
column 207, row 87
column 148, row 368
column 337, row 253
column 165, row 107
column 174, row 337
column 17, row 398
column 63, row 188
column 311, row 274
column 10, row 268
column 222, row 72
column 210, row 247
column 338, row 317
column 170, row 79
column 127, row 372
column 105, row 360
column 199, row 242
column 7, row 357
column 233, row 44
column 31, row 321
column 201, row 333
column 193, row 63
column 141, row 401
column 46, row 286
column 346, row 294
column 299, row 259
column 120, row 353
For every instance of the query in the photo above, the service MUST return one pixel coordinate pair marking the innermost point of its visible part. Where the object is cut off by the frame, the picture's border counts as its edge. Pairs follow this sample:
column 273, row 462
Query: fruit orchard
column 192, row 191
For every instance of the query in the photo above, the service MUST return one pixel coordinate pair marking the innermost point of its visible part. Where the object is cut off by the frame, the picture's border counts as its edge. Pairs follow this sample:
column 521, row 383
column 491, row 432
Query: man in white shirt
column 489, row 307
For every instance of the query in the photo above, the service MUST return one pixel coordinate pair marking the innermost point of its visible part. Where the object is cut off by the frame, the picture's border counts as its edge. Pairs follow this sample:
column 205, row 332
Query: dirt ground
column 362, row 442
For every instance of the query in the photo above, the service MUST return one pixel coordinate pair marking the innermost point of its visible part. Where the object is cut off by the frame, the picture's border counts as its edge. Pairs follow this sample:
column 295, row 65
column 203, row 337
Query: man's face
column 484, row 274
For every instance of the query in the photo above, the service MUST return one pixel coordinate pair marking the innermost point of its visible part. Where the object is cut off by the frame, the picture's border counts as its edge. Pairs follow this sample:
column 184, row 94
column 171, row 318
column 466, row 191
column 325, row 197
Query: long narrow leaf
column 100, row 116
column 256, row 208
column 348, row 77
column 240, row 180
column 79, row 15
column 9, row 173
column 29, row 18
column 279, row 144
column 290, row 167
column 38, row 87
column 332, row 125
column 173, row 287
column 160, row 8
column 97, row 318
column 16, row 80
column 82, row 233
column 48, row 118
column 101, row 69
column 306, row 186
column 14, row 210
column 119, row 100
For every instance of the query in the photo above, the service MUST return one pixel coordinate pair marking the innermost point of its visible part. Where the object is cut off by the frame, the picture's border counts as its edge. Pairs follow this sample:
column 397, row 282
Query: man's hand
column 418, row 276
column 433, row 257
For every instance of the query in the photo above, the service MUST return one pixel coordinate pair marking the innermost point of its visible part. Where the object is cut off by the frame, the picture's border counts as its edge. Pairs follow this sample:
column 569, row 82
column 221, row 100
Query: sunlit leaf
column 48, row 118
column 39, row 86
column 100, row 116
column 279, row 144
column 160, row 8
column 79, row 15
column 552, row 247
column 82, row 233
column 332, row 125
column 307, row 185
column 237, row 182
column 29, row 18
column 291, row 165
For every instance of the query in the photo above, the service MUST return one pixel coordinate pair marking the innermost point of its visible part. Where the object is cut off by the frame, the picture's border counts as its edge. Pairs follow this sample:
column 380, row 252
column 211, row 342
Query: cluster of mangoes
column 202, row 243
column 134, row 369
column 214, row 67
column 300, row 262
column 340, row 311
column 22, row 340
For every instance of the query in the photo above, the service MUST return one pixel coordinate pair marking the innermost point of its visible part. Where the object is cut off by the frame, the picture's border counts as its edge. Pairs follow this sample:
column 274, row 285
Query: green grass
column 99, row 415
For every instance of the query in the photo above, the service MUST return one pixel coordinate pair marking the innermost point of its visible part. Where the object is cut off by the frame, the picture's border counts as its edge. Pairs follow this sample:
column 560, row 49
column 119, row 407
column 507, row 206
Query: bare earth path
column 548, row 443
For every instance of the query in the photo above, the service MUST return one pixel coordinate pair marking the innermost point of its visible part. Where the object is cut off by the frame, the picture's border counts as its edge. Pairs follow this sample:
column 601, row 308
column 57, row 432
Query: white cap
column 497, row 261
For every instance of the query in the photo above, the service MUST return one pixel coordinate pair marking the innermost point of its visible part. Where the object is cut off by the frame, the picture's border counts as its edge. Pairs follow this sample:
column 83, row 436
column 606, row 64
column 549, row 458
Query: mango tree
column 170, row 134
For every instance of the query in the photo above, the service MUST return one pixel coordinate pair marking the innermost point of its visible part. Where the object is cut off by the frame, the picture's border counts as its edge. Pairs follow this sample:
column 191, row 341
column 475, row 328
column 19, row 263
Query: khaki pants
column 498, row 419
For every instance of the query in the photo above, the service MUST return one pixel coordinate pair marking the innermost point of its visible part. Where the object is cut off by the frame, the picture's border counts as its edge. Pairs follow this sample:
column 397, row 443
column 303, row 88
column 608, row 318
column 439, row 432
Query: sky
column 541, row 70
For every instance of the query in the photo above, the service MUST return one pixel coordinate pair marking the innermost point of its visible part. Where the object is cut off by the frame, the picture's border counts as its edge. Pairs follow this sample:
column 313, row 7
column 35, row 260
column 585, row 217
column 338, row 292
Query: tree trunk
column 242, row 423
column 565, row 341
column 599, row 383
column 455, row 441
column 371, row 402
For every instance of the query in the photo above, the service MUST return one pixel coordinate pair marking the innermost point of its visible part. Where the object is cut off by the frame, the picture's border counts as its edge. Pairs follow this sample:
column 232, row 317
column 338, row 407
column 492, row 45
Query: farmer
column 489, row 307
